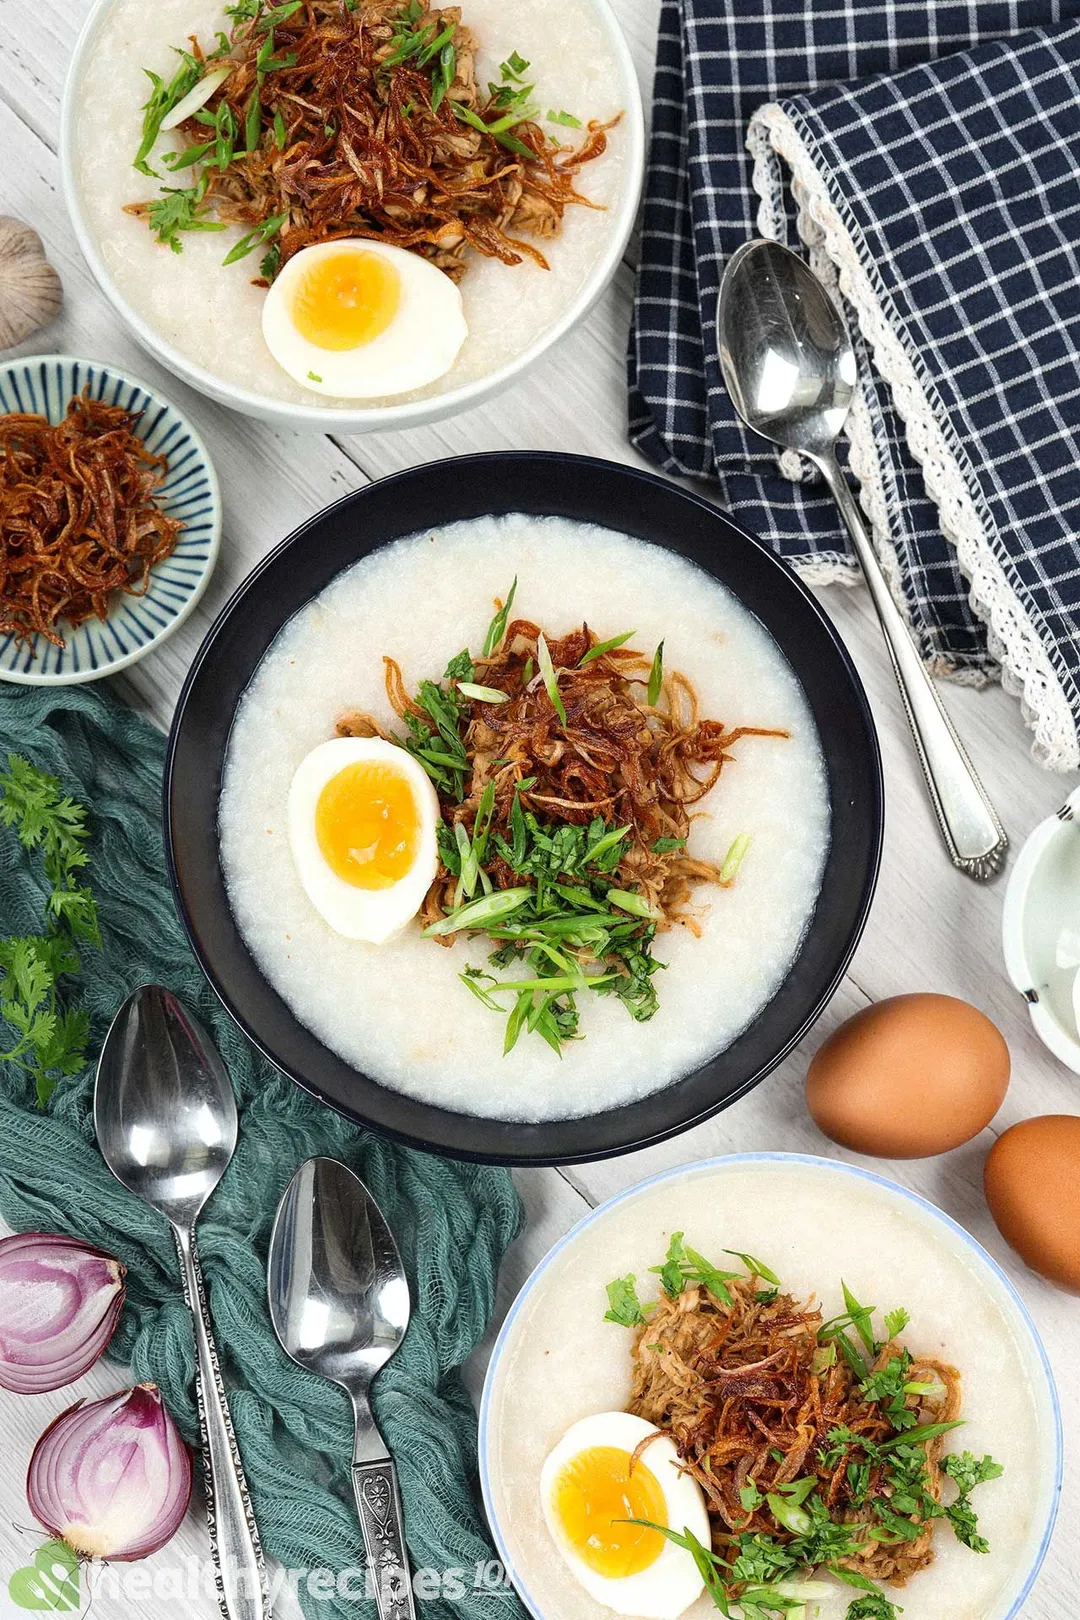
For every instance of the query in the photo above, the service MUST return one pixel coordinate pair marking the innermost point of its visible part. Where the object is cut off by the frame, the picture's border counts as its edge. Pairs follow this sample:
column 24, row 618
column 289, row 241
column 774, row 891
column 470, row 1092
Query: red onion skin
column 112, row 1478
column 78, row 1292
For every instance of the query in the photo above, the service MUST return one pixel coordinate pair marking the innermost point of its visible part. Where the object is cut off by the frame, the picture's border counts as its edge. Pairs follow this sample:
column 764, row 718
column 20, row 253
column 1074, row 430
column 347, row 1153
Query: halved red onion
column 112, row 1478
column 59, row 1303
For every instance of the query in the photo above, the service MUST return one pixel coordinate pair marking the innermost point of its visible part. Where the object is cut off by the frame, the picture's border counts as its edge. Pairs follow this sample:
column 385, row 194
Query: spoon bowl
column 338, row 1294
column 787, row 358
column 164, row 1110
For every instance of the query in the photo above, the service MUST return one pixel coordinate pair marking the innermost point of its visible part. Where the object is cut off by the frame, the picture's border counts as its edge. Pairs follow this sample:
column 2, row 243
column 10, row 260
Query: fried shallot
column 79, row 516
column 615, row 756
column 364, row 118
column 752, row 1402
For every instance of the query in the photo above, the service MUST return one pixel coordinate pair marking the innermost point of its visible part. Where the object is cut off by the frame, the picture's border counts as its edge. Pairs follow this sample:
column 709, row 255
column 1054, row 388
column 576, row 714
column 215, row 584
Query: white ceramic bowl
column 362, row 419
column 815, row 1220
column 1040, row 920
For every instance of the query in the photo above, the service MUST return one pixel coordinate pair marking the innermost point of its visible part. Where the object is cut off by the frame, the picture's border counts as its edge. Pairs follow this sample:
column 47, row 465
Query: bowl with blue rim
column 134, row 624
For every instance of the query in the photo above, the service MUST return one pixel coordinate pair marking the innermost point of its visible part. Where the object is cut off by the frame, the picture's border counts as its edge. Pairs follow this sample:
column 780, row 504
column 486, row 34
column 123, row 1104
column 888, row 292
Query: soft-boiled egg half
column 591, row 1485
column 362, row 819
column 361, row 320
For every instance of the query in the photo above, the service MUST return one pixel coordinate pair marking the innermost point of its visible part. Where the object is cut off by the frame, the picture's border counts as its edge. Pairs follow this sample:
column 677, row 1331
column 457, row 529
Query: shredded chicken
column 354, row 142
column 745, row 1395
column 78, row 516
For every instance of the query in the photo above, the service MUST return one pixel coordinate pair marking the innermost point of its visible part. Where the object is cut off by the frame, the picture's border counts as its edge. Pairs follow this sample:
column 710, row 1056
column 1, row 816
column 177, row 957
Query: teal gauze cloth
column 453, row 1221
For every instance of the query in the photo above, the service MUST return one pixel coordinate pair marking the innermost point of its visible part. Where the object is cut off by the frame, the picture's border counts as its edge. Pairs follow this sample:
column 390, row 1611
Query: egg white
column 375, row 915
column 671, row 1583
column 420, row 344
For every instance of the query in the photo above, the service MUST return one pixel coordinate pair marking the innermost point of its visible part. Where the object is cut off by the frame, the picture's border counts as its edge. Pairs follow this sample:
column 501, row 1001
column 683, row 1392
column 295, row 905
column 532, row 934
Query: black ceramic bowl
column 592, row 492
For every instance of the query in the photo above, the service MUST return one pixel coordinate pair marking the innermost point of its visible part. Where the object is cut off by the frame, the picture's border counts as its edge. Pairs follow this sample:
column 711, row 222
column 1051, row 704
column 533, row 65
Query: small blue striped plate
column 135, row 624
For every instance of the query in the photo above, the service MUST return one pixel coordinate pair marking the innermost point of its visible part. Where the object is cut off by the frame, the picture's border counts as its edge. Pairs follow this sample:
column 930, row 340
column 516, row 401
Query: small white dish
column 1040, row 918
column 135, row 625
column 363, row 418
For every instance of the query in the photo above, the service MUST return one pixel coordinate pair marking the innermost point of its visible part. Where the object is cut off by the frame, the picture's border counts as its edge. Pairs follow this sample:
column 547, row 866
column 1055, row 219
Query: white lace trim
column 1027, row 671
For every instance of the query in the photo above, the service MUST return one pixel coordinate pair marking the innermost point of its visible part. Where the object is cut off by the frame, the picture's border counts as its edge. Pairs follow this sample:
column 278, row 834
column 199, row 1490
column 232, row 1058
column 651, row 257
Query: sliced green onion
column 466, row 116
column 793, row 1518
column 253, row 239
column 755, row 1267
column 253, row 121
column 608, row 842
column 557, row 983
column 197, row 97
column 188, row 156
column 470, row 869
column 656, row 677
column 635, row 904
column 482, row 694
column 516, row 1020
column 489, row 908
column 603, row 647
column 735, row 856
column 497, row 627
column 547, row 670
column 915, row 1437
column 471, row 983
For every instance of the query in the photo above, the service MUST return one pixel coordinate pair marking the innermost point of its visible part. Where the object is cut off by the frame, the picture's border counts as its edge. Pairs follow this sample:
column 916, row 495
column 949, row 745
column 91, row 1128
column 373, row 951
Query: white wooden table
column 930, row 928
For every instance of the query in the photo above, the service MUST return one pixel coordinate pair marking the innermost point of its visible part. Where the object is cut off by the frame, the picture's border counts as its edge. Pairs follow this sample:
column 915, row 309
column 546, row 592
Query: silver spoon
column 165, row 1118
column 789, row 366
column 339, row 1301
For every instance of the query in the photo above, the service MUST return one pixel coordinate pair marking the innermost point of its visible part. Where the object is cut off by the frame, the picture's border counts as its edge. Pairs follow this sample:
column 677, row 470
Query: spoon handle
column 973, row 834
column 378, row 1503
column 239, row 1571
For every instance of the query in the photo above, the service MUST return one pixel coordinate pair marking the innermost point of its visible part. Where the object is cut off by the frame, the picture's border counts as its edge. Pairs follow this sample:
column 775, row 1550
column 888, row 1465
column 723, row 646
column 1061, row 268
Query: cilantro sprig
column 51, row 1035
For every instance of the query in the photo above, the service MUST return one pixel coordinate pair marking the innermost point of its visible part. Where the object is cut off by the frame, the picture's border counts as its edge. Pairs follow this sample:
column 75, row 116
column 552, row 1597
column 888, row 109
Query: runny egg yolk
column 367, row 825
column 593, row 1493
column 344, row 300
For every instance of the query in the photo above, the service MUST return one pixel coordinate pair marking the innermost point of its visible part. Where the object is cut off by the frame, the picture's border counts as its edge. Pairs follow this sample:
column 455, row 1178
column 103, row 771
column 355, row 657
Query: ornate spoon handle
column 239, row 1570
column 378, row 1502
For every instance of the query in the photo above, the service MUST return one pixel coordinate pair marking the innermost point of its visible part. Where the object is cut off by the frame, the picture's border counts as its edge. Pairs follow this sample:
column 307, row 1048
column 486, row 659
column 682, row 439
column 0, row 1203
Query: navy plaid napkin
column 928, row 153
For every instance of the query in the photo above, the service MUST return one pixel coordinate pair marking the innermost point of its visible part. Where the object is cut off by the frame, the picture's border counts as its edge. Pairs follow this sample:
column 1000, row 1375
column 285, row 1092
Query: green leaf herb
column 895, row 1322
column 177, row 210
column 684, row 1265
column 969, row 1471
column 624, row 1306
column 563, row 118
column 51, row 1038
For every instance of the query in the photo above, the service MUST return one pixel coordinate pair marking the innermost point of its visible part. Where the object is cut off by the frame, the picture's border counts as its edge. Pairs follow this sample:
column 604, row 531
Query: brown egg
column 1032, row 1183
column 909, row 1077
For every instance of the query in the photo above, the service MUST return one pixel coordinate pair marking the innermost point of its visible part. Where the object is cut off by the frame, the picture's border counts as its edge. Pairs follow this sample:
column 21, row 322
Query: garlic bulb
column 30, row 290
